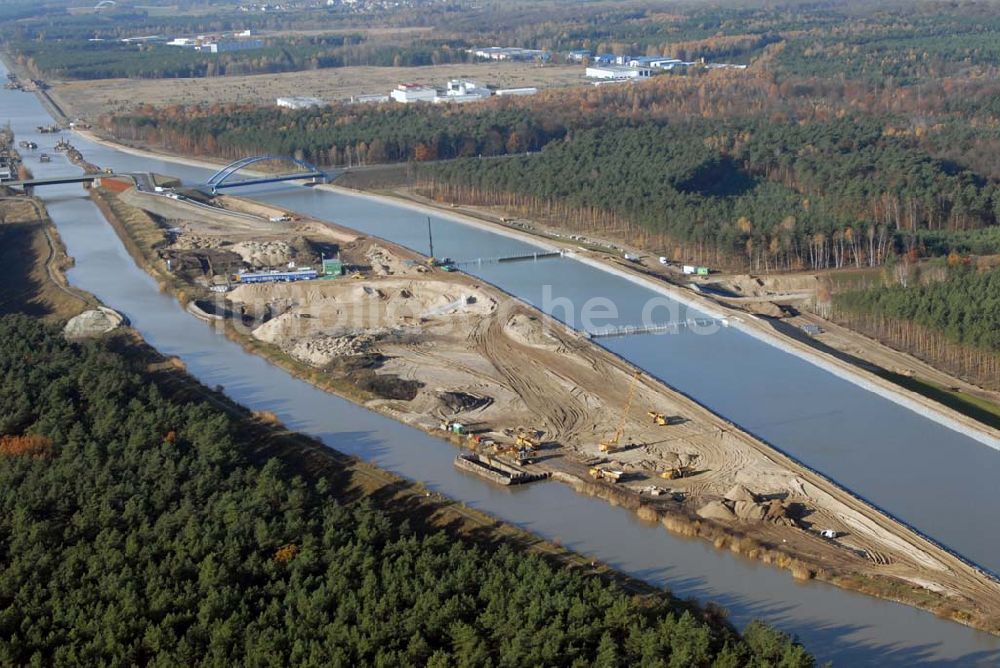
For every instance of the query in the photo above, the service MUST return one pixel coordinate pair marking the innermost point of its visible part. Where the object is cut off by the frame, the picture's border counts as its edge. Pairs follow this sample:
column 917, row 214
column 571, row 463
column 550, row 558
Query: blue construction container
column 304, row 274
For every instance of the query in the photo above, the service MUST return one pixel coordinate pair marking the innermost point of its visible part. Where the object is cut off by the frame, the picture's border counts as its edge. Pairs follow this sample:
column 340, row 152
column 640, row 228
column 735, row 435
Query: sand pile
column 188, row 241
column 740, row 503
column 92, row 323
column 749, row 511
column 321, row 350
column 260, row 254
column 716, row 510
column 383, row 262
column 740, row 493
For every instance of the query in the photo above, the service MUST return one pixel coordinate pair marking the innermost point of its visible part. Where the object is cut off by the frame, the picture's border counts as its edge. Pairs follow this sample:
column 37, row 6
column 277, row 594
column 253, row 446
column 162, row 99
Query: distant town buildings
column 299, row 102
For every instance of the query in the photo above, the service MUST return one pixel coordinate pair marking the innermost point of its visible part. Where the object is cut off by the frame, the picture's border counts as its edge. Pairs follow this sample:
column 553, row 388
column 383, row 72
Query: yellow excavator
column 613, row 444
column 525, row 441
column 658, row 418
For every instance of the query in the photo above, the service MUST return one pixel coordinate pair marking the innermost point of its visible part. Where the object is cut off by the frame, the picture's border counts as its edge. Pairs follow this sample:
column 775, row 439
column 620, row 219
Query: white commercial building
column 408, row 93
column 501, row 92
column 298, row 102
column 618, row 72
column 665, row 63
column 463, row 91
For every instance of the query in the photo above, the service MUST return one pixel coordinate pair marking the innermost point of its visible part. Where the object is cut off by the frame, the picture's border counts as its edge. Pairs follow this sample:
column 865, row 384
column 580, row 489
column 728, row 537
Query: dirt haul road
column 459, row 350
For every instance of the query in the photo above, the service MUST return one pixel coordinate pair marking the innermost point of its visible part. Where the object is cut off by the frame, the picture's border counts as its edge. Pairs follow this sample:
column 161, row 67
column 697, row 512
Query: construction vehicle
column 453, row 427
column 356, row 276
column 525, row 441
column 520, row 455
column 675, row 472
column 613, row 444
column 658, row 418
column 601, row 473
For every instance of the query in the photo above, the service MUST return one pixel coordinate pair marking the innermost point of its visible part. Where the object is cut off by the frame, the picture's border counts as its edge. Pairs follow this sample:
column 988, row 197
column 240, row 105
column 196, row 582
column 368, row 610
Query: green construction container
column 333, row 267
column 702, row 271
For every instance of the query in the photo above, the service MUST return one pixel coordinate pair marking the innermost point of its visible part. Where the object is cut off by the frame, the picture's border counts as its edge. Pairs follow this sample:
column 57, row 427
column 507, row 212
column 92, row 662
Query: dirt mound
column 530, row 331
column 383, row 262
column 321, row 350
column 749, row 510
column 740, row 493
column 768, row 309
column 746, row 285
column 716, row 510
column 777, row 512
column 260, row 254
column 460, row 402
column 361, row 370
column 92, row 323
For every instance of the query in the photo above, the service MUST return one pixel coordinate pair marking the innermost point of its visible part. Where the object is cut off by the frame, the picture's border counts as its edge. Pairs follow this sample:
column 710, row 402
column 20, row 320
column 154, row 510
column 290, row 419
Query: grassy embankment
column 32, row 261
column 979, row 409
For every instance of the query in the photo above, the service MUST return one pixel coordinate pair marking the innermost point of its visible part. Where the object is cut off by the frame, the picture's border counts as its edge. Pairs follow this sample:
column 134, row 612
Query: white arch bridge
column 223, row 178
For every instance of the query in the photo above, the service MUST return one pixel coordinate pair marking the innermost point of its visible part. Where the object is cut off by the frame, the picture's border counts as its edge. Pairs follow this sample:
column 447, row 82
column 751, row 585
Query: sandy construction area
column 90, row 99
column 431, row 346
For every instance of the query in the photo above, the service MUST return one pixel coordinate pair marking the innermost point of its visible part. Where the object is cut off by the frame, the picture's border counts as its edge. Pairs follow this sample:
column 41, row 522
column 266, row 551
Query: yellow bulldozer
column 675, row 472
column 600, row 473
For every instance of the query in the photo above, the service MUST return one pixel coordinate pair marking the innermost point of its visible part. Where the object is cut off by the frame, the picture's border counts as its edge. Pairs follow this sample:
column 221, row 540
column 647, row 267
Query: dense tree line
column 135, row 529
column 816, row 195
column 345, row 135
column 902, row 46
column 85, row 59
column 743, row 190
column 965, row 306
column 952, row 324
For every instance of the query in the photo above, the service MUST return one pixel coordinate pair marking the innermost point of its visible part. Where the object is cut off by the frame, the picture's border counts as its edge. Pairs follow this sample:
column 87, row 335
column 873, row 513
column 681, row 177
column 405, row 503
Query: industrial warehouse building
column 408, row 93
column 299, row 102
column 618, row 72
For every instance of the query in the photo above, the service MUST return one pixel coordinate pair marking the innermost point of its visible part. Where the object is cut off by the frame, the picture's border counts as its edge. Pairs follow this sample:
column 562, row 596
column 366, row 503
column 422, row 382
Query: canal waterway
column 727, row 371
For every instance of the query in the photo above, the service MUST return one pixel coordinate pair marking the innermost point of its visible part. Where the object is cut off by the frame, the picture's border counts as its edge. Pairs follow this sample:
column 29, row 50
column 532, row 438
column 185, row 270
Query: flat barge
column 496, row 470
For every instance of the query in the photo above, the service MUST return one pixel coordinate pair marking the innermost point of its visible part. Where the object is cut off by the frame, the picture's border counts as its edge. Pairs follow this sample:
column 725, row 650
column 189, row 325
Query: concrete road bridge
column 27, row 185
